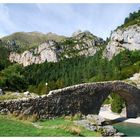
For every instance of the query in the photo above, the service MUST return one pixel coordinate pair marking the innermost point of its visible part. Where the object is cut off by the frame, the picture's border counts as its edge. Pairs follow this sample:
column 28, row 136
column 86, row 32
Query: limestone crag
column 82, row 43
column 45, row 52
column 121, row 39
column 90, row 43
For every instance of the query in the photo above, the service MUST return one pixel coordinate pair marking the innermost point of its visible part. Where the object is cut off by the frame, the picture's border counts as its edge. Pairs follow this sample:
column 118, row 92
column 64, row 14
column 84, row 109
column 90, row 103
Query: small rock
column 4, row 111
column 27, row 93
column 17, row 93
column 118, row 134
column 95, row 119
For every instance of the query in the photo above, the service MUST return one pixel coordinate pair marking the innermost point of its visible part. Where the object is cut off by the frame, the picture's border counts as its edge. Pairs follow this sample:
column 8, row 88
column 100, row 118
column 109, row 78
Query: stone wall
column 85, row 98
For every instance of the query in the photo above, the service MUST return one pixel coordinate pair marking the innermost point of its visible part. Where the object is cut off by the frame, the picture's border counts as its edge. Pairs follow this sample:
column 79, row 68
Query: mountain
column 126, row 36
column 35, row 48
column 21, row 41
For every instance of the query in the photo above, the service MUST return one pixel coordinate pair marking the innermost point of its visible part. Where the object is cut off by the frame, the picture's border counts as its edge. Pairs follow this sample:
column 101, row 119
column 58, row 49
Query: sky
column 63, row 19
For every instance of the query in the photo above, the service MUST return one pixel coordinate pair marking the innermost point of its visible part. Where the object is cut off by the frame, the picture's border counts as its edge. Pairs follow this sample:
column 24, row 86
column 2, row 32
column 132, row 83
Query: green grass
column 10, row 126
column 9, row 96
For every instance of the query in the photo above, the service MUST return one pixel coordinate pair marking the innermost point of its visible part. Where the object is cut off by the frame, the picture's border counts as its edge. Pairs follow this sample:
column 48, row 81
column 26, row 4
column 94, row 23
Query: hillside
column 36, row 48
column 22, row 41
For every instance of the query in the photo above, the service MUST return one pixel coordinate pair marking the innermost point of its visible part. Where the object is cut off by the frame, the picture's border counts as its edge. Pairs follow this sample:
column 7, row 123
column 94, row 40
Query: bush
column 117, row 103
column 30, row 118
column 73, row 129
column 77, row 116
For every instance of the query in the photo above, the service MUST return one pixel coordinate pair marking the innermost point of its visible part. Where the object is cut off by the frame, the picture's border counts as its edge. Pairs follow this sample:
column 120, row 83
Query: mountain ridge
column 51, row 49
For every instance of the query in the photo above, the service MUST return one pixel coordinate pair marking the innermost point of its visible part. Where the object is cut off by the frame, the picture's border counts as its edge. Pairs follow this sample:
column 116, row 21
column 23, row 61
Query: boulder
column 95, row 119
column 86, row 124
column 94, row 123
column 1, row 92
column 108, row 130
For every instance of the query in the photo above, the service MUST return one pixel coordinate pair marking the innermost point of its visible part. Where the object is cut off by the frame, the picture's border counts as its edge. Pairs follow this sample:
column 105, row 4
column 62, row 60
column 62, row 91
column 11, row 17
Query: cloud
column 63, row 19
column 6, row 24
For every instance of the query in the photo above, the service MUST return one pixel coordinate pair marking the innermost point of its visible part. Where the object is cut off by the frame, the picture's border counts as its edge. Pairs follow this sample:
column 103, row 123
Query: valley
column 83, row 71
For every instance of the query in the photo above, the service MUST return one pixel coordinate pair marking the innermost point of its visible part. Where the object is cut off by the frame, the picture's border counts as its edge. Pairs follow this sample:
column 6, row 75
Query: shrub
column 77, row 116
column 30, row 118
column 73, row 129
column 117, row 103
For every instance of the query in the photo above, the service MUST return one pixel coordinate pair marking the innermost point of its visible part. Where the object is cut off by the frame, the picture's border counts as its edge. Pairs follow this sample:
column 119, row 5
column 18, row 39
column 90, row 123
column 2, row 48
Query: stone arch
column 87, row 98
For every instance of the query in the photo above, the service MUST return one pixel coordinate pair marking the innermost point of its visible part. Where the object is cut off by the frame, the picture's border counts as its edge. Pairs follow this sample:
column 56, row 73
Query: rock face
column 45, row 52
column 81, row 43
column 121, row 39
column 84, row 98
column 89, row 44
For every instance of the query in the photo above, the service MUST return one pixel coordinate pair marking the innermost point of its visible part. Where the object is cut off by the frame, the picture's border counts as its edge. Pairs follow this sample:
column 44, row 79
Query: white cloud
column 63, row 19
column 6, row 24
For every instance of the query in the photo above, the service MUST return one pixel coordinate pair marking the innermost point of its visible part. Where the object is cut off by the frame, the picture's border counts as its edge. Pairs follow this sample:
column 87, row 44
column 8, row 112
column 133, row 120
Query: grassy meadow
column 12, row 126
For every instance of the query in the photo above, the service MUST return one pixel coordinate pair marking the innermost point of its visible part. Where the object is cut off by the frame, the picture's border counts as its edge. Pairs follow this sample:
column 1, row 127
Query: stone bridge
column 86, row 98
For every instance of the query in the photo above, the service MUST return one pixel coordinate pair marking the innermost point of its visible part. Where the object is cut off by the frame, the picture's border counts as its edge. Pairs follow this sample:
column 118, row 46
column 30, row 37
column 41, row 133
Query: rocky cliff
column 45, row 52
column 81, row 43
column 121, row 39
